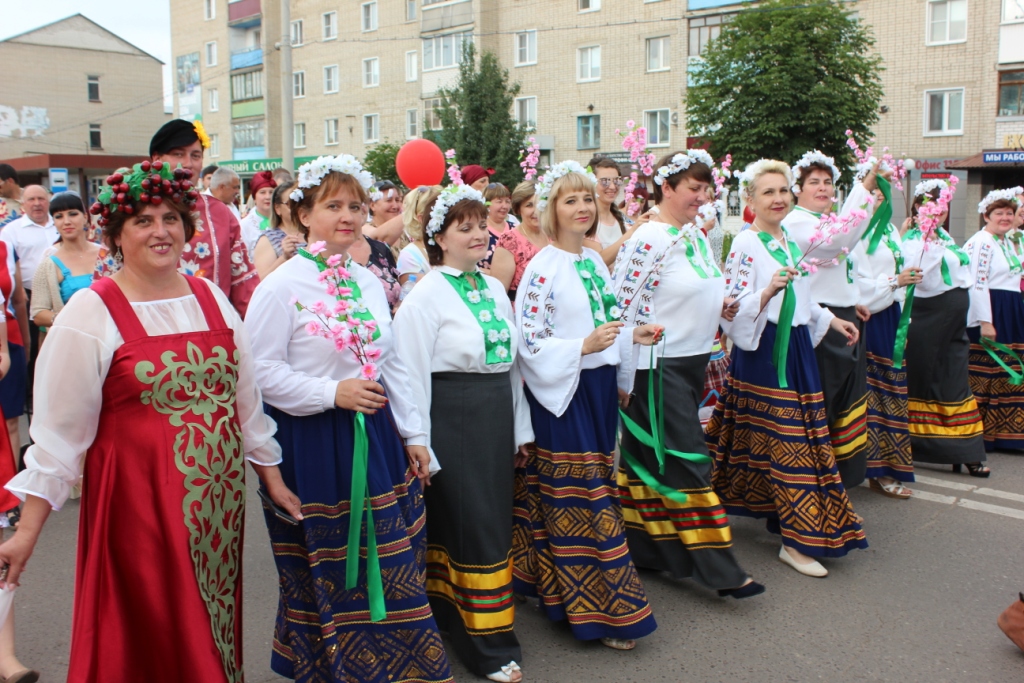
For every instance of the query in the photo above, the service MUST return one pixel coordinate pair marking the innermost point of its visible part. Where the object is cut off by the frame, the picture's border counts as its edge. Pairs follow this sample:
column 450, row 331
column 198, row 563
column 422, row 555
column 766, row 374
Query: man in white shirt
column 226, row 186
column 29, row 236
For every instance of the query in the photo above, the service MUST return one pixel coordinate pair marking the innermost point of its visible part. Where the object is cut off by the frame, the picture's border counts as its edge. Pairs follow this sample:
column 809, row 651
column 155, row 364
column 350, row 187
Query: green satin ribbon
column 359, row 310
column 474, row 292
column 901, row 330
column 656, row 437
column 780, row 352
column 879, row 225
column 961, row 256
column 264, row 222
column 991, row 347
column 1011, row 258
column 359, row 502
column 691, row 255
column 603, row 304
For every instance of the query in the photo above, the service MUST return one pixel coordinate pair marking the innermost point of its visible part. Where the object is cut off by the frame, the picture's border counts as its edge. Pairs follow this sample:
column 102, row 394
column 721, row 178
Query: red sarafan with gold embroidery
column 159, row 585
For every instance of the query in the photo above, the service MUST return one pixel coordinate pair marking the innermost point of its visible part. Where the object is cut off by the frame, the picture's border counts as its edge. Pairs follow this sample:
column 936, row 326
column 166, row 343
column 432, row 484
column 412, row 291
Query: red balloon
column 420, row 162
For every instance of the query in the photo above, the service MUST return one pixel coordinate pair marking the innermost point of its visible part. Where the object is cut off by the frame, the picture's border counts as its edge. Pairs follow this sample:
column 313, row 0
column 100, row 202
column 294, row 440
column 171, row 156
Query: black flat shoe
column 750, row 590
column 975, row 469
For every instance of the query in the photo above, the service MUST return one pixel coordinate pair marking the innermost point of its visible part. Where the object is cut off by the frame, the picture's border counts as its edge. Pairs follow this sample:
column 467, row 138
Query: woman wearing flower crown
column 570, row 548
column 166, row 410
column 945, row 426
column 768, row 434
column 353, row 604
column 841, row 366
column 883, row 276
column 996, row 314
column 666, row 273
column 456, row 334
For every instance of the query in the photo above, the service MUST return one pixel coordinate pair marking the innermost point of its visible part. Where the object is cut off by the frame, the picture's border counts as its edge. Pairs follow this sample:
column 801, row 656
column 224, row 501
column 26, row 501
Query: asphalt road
column 919, row 605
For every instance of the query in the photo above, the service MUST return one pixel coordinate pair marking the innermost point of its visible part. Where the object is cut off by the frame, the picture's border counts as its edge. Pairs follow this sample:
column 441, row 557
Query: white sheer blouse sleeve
column 981, row 252
column 741, row 282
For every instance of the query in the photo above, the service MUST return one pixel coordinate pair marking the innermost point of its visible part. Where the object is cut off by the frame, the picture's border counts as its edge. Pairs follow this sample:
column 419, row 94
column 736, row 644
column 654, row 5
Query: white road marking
column 943, row 483
column 1001, row 494
column 934, row 497
column 994, row 509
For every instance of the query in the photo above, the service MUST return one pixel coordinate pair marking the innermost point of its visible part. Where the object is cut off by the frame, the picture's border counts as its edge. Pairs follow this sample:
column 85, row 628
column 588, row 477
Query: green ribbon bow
column 1011, row 258
column 497, row 336
column 879, row 225
column 656, row 437
column 359, row 310
column 603, row 305
column 691, row 255
column 359, row 498
column 901, row 330
column 992, row 347
column 780, row 352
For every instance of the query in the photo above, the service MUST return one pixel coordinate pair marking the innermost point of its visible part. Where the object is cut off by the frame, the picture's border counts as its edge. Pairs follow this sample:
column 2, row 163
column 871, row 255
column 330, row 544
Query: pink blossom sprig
column 454, row 172
column 898, row 166
column 830, row 227
column 338, row 323
column 530, row 157
column 721, row 174
column 863, row 157
column 635, row 142
column 930, row 213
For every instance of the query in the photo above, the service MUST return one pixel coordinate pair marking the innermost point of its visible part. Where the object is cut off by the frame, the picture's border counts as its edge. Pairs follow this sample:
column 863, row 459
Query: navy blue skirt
column 888, row 428
column 1000, row 403
column 323, row 631
column 12, row 386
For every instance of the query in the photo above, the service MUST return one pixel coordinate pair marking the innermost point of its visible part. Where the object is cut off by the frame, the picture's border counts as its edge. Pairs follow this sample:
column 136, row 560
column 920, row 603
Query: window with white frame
column 526, row 111
column 249, row 134
column 588, row 64
column 331, row 132
column 588, row 132
column 330, row 25
column 589, row 5
column 214, row 145
column 1011, row 93
column 299, row 136
column 330, row 79
column 410, row 10
column 1013, row 11
column 947, row 21
column 443, row 52
column 705, row 29
column 211, row 53
column 658, row 54
column 209, row 9
column 297, row 33
column 944, row 112
column 412, row 120
column 412, row 66
column 214, row 100
column 371, row 72
column 371, row 128
column 247, row 86
column 657, row 123
column 93, row 88
column 95, row 136
column 298, row 84
column 369, row 16
column 526, row 48
column 431, row 118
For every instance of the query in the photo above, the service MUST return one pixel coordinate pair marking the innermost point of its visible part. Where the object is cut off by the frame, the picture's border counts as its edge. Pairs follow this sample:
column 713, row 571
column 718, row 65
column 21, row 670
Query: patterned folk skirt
column 773, row 459
column 714, row 381
column 691, row 539
column 888, row 433
column 843, row 372
column 323, row 631
column 945, row 425
column 568, row 539
column 469, row 517
column 1000, row 403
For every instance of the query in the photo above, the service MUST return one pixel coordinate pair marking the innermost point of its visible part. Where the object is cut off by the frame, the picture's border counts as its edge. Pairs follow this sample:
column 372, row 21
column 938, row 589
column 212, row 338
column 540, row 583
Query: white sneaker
column 813, row 568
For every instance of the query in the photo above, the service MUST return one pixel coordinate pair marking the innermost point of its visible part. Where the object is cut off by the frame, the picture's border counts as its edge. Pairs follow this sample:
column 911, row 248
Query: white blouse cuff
column 418, row 440
column 53, row 490
column 330, row 392
column 266, row 454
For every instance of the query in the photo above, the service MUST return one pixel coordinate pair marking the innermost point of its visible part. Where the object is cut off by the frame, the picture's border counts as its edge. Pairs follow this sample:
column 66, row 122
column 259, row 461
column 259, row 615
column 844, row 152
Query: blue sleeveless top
column 71, row 283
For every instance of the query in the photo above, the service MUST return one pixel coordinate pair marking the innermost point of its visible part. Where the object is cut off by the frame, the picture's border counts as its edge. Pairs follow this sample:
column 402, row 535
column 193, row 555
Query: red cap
column 261, row 180
column 474, row 172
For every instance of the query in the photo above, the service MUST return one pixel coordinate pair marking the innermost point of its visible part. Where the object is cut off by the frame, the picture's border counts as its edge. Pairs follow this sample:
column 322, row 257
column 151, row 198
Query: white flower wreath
column 813, row 157
column 926, row 186
column 376, row 196
column 311, row 174
column 995, row 195
column 560, row 169
column 449, row 197
column 746, row 176
column 681, row 162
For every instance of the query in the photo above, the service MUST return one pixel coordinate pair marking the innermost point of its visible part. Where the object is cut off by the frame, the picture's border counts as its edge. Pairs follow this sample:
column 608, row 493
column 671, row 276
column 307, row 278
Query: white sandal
column 894, row 489
column 619, row 643
column 507, row 674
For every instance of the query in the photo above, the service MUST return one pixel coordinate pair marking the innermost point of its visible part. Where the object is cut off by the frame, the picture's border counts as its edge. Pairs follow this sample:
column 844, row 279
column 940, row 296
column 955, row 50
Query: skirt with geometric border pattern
column 888, row 430
column 1000, row 403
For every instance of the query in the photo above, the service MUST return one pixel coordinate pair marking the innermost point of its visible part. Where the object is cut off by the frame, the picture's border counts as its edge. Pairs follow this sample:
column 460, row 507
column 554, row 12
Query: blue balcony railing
column 246, row 58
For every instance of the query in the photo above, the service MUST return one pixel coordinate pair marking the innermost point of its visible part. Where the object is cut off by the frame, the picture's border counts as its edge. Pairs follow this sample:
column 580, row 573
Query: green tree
column 786, row 77
column 476, row 117
column 380, row 161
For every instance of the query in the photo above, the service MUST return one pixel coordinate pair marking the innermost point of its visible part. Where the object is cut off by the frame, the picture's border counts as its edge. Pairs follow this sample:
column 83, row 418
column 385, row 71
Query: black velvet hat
column 173, row 134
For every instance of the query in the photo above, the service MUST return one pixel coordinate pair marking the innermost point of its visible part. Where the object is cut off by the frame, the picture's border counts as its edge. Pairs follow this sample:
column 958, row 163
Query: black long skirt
column 945, row 425
column 469, row 517
column 691, row 539
column 843, row 370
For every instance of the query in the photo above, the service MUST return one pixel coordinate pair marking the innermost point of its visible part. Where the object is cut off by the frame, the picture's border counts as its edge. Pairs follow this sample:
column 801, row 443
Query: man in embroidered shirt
column 10, row 195
column 216, row 252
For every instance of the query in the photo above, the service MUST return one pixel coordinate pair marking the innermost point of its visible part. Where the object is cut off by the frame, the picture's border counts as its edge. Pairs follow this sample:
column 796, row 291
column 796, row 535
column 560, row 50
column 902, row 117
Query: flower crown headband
column 747, row 175
column 1009, row 194
column 813, row 157
column 926, row 186
column 311, row 174
column 449, row 197
column 547, row 181
column 681, row 162
column 148, row 182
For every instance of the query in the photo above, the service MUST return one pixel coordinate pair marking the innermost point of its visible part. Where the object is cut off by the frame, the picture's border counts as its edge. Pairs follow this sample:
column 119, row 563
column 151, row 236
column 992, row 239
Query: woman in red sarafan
column 159, row 368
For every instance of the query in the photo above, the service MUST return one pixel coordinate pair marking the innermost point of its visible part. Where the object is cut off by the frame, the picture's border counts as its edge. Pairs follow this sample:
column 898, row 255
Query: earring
column 118, row 256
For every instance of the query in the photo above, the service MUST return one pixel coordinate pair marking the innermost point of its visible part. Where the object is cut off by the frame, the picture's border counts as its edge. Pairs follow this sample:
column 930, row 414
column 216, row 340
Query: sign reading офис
column 1003, row 157
column 256, row 165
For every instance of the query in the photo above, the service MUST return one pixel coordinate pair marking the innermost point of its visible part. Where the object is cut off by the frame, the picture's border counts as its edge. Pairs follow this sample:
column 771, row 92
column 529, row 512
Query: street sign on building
column 58, row 180
column 1003, row 157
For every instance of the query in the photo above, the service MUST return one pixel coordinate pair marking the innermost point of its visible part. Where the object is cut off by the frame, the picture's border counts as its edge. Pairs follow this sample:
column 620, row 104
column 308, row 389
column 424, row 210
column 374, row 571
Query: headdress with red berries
column 148, row 182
